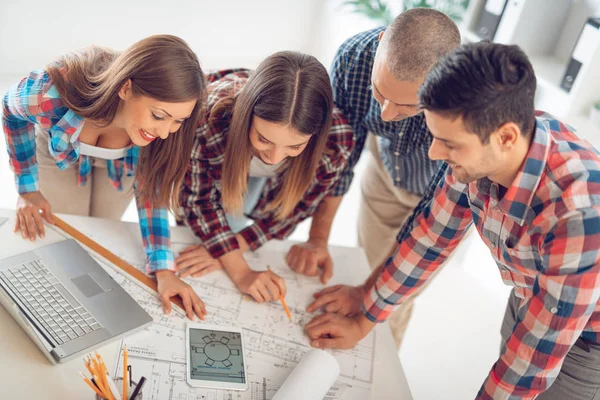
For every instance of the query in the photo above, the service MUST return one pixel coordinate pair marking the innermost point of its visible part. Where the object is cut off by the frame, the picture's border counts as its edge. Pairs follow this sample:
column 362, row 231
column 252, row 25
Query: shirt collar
column 519, row 196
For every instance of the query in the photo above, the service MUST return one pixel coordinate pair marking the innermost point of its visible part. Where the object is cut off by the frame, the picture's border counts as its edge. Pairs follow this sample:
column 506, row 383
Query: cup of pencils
column 108, row 388
column 119, row 395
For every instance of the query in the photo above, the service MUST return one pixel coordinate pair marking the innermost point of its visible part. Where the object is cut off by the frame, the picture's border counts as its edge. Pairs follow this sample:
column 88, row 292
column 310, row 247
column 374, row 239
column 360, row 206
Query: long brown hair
column 287, row 88
column 162, row 67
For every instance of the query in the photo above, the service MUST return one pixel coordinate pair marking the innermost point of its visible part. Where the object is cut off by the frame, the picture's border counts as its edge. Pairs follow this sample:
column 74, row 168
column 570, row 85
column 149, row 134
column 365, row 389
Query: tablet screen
column 216, row 356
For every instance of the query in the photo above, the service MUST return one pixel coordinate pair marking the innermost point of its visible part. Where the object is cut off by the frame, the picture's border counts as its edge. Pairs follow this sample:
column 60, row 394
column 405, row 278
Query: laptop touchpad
column 87, row 285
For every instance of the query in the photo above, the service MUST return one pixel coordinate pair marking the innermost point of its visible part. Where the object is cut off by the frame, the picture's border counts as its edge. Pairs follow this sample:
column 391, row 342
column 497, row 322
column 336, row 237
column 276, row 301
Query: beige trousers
column 383, row 210
column 98, row 198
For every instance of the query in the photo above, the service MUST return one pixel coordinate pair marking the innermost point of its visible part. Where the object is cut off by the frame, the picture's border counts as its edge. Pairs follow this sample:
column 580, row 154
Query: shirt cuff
column 27, row 183
column 375, row 308
column 160, row 260
column 255, row 235
column 221, row 243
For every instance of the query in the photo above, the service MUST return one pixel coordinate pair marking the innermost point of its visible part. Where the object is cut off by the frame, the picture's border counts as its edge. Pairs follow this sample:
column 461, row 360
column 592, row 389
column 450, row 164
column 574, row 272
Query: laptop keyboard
column 63, row 317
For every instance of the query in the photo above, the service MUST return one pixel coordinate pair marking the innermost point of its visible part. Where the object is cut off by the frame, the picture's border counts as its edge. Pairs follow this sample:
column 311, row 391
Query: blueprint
column 274, row 345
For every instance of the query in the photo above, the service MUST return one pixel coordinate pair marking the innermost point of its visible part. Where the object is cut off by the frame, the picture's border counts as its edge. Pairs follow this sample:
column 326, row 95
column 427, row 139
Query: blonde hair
column 287, row 88
column 162, row 67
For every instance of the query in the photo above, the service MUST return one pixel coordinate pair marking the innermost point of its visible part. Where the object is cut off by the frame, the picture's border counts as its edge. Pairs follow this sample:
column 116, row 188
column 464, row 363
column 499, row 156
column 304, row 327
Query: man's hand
column 338, row 332
column 340, row 299
column 170, row 285
column 196, row 261
column 307, row 258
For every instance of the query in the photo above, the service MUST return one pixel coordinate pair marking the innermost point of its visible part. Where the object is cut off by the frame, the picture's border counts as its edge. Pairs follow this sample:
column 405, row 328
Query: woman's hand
column 196, row 261
column 262, row 286
column 170, row 285
column 309, row 258
column 31, row 208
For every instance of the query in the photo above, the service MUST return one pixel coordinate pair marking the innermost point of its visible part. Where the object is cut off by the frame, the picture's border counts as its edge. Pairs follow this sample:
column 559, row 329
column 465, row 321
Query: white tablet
column 215, row 357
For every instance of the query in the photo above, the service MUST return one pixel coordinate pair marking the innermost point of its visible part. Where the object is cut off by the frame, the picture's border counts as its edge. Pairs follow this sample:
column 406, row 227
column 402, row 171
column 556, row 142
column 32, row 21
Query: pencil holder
column 119, row 384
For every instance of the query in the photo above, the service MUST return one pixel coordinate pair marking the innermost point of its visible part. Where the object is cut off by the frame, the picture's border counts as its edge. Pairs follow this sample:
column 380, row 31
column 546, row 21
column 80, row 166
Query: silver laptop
column 65, row 301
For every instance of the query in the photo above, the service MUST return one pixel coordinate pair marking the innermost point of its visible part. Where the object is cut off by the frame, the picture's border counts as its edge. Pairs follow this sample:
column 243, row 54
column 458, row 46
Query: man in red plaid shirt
column 531, row 187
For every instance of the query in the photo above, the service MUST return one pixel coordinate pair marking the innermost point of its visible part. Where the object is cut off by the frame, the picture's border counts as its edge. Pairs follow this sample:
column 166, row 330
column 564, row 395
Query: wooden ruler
column 110, row 256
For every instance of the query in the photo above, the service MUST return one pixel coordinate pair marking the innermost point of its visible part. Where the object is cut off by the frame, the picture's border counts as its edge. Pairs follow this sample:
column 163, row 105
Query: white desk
column 26, row 374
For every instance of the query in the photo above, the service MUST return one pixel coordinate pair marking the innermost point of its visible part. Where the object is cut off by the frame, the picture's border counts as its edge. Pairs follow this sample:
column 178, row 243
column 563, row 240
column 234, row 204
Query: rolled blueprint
column 311, row 379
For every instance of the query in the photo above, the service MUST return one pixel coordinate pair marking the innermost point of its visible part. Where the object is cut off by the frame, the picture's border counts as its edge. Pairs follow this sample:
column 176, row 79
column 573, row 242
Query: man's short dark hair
column 487, row 84
column 416, row 40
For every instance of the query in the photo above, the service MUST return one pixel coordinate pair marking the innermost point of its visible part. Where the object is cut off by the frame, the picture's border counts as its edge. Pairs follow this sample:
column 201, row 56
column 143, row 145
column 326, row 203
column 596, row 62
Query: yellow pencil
column 102, row 366
column 88, row 366
column 106, row 392
column 97, row 373
column 90, row 384
column 103, row 373
column 94, row 369
column 125, row 374
column 94, row 373
column 285, row 307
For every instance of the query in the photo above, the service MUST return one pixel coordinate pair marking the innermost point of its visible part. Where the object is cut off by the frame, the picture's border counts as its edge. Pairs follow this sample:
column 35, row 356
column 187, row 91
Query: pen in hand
column 285, row 307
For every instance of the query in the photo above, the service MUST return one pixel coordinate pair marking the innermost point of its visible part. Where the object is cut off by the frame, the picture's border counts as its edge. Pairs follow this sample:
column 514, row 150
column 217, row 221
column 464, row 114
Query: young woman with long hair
column 272, row 148
column 96, row 128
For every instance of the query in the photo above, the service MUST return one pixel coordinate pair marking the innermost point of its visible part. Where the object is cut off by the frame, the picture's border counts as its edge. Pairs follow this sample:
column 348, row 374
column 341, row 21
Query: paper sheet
column 311, row 379
column 274, row 345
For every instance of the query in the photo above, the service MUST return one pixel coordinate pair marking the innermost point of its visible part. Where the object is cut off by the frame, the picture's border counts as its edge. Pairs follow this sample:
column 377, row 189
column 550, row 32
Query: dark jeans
column 579, row 376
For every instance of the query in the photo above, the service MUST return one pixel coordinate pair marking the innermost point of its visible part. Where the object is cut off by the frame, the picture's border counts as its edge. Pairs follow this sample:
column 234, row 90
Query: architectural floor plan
column 273, row 344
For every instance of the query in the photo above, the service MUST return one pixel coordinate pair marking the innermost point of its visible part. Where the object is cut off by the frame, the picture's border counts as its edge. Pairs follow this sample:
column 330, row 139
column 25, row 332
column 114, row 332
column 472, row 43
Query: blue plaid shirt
column 35, row 100
column 404, row 144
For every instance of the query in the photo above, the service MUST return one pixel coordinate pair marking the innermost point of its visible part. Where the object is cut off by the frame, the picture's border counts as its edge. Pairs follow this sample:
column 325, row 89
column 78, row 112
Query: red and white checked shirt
column 544, row 235
column 200, row 196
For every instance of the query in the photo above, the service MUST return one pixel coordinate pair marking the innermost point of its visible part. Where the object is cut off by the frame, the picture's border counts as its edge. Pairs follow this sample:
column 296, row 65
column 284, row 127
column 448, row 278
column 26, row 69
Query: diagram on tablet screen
column 216, row 356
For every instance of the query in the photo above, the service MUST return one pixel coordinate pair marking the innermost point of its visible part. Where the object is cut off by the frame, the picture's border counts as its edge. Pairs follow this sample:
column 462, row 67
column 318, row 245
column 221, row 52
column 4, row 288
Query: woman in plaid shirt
column 97, row 112
column 272, row 147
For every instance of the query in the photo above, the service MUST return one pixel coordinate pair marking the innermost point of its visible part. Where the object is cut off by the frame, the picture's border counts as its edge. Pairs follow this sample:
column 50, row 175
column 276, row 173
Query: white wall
column 337, row 23
column 224, row 33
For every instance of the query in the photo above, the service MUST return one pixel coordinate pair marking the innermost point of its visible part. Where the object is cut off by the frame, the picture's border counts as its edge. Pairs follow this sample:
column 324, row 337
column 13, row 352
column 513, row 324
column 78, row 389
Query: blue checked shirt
column 35, row 100
column 404, row 144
